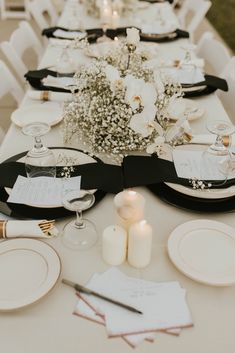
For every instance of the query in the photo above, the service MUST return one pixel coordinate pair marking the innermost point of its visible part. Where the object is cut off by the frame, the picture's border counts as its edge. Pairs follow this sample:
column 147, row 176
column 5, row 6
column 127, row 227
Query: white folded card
column 42, row 191
column 192, row 164
column 163, row 304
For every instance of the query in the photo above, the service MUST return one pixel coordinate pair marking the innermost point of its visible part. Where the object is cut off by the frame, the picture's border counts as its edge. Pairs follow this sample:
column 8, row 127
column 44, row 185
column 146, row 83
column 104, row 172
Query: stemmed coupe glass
column 40, row 160
column 217, row 158
column 79, row 234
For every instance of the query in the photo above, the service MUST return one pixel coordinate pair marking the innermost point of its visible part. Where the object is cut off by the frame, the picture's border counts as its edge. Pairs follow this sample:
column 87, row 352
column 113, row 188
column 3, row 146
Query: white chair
column 227, row 98
column 22, row 38
column 9, row 84
column 39, row 9
column 196, row 10
column 215, row 54
column 14, row 11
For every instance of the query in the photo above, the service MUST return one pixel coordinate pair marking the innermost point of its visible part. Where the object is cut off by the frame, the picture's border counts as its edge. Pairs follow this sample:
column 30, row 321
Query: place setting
column 117, row 184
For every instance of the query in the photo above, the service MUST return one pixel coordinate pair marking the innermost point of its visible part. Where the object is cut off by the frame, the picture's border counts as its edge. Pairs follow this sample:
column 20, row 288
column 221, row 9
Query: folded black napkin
column 92, row 35
column 164, row 37
column 134, row 171
column 101, row 176
column 210, row 85
column 34, row 77
column 95, row 33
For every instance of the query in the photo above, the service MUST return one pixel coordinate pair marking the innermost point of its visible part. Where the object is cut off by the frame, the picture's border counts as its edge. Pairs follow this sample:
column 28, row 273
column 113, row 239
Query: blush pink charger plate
column 204, row 250
column 29, row 269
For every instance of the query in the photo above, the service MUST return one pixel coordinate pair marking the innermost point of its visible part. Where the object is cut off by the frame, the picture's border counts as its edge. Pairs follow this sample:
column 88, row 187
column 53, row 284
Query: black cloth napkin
column 134, row 171
column 165, row 37
column 34, row 77
column 92, row 35
column 210, row 85
column 101, row 176
column 95, row 33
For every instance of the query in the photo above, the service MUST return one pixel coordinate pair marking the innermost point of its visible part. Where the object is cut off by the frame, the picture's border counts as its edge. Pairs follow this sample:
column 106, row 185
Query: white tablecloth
column 49, row 326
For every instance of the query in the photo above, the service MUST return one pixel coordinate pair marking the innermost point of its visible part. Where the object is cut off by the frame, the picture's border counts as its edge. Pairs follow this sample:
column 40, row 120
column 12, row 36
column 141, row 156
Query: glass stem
column 219, row 141
column 79, row 221
column 38, row 142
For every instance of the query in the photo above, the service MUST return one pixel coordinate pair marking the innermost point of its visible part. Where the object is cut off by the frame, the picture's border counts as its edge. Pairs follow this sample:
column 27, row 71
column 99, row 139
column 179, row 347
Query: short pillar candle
column 140, row 244
column 129, row 206
column 114, row 245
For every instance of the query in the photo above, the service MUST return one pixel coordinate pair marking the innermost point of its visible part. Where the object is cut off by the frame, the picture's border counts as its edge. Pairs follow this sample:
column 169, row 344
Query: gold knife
column 88, row 291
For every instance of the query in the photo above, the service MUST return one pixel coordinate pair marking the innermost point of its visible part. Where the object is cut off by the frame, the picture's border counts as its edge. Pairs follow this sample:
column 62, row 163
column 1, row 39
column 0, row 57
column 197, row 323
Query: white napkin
column 68, row 34
column 186, row 74
column 50, row 96
column 27, row 229
column 59, row 82
column 159, row 28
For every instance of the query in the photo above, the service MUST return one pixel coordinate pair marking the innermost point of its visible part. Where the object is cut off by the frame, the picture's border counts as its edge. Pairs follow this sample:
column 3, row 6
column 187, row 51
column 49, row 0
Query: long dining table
column 49, row 325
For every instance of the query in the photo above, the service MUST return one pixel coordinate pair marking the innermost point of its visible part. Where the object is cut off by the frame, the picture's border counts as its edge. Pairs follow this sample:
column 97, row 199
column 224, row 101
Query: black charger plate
column 24, row 211
column 189, row 203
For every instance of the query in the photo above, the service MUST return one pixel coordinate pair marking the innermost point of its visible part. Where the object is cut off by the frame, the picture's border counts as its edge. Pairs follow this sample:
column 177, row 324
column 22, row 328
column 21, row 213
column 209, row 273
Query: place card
column 40, row 191
column 188, row 165
column 163, row 304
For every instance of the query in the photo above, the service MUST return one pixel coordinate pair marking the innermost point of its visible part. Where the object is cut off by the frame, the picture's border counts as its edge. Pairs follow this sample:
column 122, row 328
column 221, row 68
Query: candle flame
column 132, row 193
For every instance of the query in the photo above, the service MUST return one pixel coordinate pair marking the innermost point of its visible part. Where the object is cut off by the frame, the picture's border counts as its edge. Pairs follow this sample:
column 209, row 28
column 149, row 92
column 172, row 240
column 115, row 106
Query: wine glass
column 39, row 161
column 79, row 234
column 217, row 158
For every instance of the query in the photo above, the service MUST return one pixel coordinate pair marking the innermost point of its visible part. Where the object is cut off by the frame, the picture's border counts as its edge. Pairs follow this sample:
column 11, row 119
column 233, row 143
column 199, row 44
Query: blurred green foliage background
column 222, row 17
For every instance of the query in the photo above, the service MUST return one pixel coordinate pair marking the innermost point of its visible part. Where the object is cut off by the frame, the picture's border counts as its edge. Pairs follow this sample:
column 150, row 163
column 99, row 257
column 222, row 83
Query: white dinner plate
column 47, row 112
column 29, row 269
column 203, row 194
column 64, row 156
column 204, row 250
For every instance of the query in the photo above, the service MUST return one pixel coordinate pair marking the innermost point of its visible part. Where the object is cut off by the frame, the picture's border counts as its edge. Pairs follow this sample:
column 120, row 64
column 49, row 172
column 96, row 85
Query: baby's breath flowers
column 120, row 108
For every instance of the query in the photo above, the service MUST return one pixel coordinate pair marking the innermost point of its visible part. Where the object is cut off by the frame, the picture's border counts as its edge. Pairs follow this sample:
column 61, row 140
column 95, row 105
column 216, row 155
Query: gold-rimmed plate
column 29, row 269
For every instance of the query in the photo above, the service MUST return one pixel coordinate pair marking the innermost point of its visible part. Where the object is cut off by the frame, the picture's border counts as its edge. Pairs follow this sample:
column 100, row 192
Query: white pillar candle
column 115, row 19
column 139, row 244
column 106, row 15
column 114, row 245
column 129, row 206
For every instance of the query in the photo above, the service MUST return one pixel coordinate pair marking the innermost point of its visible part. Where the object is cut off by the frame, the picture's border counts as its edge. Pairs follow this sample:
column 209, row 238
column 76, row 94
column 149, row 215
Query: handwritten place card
column 192, row 164
column 40, row 191
column 163, row 305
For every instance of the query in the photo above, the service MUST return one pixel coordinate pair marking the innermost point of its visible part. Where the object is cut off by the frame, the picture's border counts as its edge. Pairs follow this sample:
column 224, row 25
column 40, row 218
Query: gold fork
column 46, row 226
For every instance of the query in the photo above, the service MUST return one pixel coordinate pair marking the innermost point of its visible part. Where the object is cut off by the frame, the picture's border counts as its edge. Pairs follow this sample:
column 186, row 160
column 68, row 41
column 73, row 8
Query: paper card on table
column 85, row 310
column 163, row 304
column 191, row 164
column 41, row 190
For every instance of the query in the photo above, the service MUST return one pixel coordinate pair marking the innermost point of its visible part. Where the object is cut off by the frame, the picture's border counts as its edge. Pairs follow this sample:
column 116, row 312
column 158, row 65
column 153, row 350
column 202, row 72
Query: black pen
column 80, row 288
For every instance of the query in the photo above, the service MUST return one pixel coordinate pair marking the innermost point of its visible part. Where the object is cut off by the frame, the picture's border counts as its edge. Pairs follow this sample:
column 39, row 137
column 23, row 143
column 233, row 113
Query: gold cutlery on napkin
column 32, row 229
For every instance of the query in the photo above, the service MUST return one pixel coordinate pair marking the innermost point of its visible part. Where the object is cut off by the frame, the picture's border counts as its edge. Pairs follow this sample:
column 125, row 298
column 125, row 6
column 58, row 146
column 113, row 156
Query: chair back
column 9, row 84
column 215, row 54
column 41, row 10
column 22, row 38
column 197, row 10
column 227, row 98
